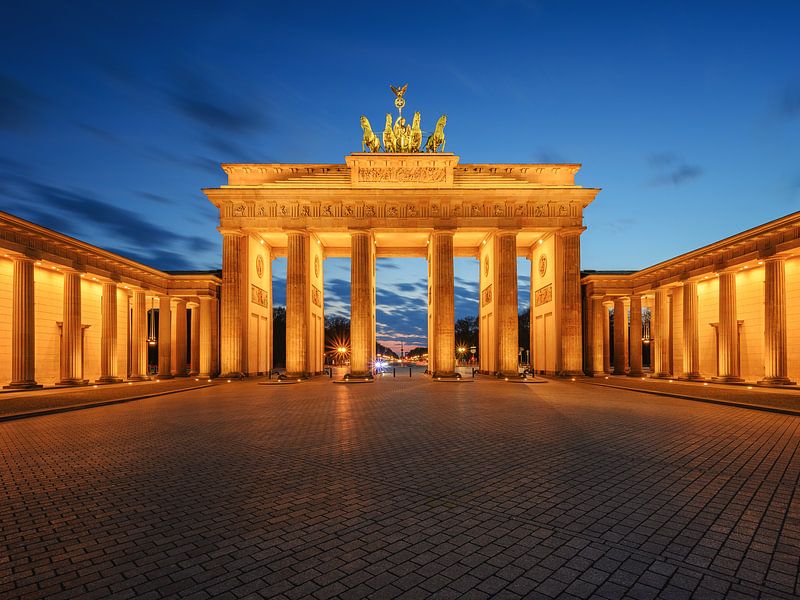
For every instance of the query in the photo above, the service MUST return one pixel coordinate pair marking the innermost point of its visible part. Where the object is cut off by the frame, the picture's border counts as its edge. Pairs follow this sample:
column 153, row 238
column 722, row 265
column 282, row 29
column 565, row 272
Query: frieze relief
column 407, row 210
column 402, row 174
column 259, row 296
column 486, row 295
column 316, row 296
column 543, row 295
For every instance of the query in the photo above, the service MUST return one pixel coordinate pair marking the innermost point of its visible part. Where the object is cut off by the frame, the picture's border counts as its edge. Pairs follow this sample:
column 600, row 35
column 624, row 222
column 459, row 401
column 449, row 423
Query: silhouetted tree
column 524, row 331
column 417, row 353
column 278, row 337
column 381, row 349
column 467, row 335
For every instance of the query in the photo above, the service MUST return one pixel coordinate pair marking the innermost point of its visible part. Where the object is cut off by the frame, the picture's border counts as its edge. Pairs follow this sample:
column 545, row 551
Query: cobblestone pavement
column 401, row 488
column 787, row 398
column 14, row 403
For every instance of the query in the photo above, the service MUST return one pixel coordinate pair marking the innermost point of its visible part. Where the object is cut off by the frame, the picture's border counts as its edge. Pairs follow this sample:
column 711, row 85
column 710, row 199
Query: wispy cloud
column 671, row 170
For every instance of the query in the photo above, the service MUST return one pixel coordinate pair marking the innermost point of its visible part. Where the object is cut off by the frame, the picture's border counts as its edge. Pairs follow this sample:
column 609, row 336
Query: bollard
column 409, row 371
column 394, row 372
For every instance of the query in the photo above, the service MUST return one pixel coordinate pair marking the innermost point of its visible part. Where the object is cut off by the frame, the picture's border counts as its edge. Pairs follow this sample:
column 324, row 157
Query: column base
column 357, row 378
column 296, row 376
column 72, row 382
column 662, row 375
column 570, row 374
column 23, row 385
column 727, row 379
column 160, row 376
column 691, row 377
column 446, row 376
column 194, row 374
column 109, row 380
column 776, row 381
column 635, row 374
column 138, row 378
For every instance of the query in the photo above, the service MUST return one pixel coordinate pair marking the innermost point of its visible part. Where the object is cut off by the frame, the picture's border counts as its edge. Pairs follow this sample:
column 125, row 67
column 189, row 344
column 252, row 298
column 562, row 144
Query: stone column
column 636, row 336
column 231, row 333
column 164, row 338
column 179, row 338
column 443, row 304
column 361, row 303
column 297, row 309
column 108, row 336
column 775, row 360
column 606, row 337
column 691, row 335
column 139, row 337
column 194, row 350
column 620, row 334
column 23, row 332
column 568, row 286
column 598, row 334
column 728, row 329
column 660, row 322
column 205, row 337
column 71, row 332
column 506, row 323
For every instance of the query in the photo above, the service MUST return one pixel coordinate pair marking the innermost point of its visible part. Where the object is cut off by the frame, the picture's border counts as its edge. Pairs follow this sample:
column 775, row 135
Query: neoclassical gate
column 401, row 205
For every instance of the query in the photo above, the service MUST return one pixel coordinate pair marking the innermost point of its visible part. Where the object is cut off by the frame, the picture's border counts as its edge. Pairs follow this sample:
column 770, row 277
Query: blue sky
column 113, row 116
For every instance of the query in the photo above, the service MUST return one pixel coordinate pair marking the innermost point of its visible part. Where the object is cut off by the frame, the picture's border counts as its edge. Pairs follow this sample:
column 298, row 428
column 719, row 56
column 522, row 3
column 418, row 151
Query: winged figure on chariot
column 400, row 136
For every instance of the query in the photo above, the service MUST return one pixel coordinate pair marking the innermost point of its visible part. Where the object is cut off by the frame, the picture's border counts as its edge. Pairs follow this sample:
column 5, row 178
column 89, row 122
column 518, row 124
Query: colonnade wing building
column 401, row 205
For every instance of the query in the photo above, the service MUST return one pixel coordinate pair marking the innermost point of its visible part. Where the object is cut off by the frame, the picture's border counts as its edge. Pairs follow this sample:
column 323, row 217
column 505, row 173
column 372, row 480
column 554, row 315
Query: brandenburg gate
column 401, row 202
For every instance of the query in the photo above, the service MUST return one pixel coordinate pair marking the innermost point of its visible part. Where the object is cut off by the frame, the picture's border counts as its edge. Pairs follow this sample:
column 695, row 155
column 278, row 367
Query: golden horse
column 370, row 141
column 436, row 139
column 389, row 139
column 416, row 134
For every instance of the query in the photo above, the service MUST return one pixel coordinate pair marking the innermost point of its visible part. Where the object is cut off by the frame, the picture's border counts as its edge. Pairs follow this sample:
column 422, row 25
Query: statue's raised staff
column 436, row 139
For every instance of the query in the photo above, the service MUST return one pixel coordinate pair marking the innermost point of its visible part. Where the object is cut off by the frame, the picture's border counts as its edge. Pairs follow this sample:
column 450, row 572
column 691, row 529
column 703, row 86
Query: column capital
column 506, row 231
column 775, row 258
column 20, row 257
column 570, row 231
column 231, row 232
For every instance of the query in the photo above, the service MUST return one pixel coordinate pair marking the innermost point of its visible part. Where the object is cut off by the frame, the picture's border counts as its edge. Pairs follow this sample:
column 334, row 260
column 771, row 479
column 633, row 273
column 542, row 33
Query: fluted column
column 108, row 335
column 71, row 343
column 506, row 304
column 635, row 358
column 164, row 338
column 194, row 350
column 597, row 349
column 361, row 302
column 179, row 338
column 568, row 261
column 660, row 322
column 233, row 322
column 728, row 332
column 607, row 337
column 139, row 337
column 205, row 337
column 23, row 332
column 443, row 304
column 691, row 335
column 620, row 331
column 297, row 299
column 775, row 360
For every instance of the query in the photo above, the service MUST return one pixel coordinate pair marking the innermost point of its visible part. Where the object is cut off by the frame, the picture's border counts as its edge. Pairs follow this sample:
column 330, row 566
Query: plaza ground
column 402, row 488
